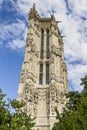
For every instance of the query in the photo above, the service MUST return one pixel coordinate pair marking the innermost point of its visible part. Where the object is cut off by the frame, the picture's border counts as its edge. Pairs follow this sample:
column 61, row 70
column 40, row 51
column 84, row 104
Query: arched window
column 47, row 45
column 42, row 44
column 41, row 74
column 47, row 73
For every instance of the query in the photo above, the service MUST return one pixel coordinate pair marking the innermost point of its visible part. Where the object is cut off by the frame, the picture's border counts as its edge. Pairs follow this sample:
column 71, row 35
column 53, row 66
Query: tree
column 17, row 120
column 74, row 116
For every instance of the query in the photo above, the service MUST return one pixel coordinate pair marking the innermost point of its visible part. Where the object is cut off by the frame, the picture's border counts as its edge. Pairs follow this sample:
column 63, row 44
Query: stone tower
column 43, row 80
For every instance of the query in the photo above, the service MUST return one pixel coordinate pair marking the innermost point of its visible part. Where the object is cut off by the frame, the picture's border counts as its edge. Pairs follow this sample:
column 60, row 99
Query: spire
column 34, row 6
column 33, row 13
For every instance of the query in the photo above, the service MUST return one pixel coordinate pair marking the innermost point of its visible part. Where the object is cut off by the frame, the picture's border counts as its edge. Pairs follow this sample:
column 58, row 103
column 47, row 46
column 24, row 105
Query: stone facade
column 43, row 94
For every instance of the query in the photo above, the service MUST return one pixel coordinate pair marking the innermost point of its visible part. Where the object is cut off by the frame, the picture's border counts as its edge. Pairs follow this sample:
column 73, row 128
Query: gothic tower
column 43, row 80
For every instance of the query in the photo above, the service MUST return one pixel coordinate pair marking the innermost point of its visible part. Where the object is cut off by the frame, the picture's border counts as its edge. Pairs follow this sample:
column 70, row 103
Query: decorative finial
column 34, row 6
column 52, row 15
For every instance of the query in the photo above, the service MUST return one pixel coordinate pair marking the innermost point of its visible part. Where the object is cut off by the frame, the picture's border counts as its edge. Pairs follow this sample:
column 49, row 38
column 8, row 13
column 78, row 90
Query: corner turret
column 33, row 13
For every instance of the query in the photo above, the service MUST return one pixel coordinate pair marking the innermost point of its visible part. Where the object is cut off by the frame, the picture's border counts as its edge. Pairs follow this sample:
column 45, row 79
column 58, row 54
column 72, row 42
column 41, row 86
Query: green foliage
column 84, row 81
column 18, row 120
column 74, row 116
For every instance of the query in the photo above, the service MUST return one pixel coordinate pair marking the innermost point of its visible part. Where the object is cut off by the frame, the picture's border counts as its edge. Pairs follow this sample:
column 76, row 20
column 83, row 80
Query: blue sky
column 13, row 30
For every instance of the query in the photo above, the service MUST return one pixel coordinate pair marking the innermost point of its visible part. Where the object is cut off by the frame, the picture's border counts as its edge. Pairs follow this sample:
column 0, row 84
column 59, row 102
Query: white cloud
column 24, row 6
column 12, row 32
column 0, row 4
column 79, row 6
column 75, row 73
column 72, row 26
column 16, row 44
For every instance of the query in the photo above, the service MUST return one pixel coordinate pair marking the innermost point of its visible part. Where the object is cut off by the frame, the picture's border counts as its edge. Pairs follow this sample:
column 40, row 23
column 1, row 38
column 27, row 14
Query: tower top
column 33, row 13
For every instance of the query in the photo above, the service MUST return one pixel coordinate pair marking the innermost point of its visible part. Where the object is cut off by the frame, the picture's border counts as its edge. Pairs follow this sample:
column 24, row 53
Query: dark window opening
column 42, row 44
column 47, row 73
column 41, row 74
column 47, row 46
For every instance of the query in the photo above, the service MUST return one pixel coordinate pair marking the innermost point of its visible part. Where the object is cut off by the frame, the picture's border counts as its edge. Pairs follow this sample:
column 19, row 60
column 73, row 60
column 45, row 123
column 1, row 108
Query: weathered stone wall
column 42, row 99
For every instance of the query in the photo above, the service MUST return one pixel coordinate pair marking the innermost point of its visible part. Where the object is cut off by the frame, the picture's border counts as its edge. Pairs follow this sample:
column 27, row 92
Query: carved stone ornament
column 29, row 41
column 31, row 76
column 60, row 40
column 22, row 77
column 62, row 95
column 56, row 78
column 32, row 49
column 35, row 97
column 42, row 94
column 36, row 32
column 64, row 67
column 54, row 32
column 55, row 50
